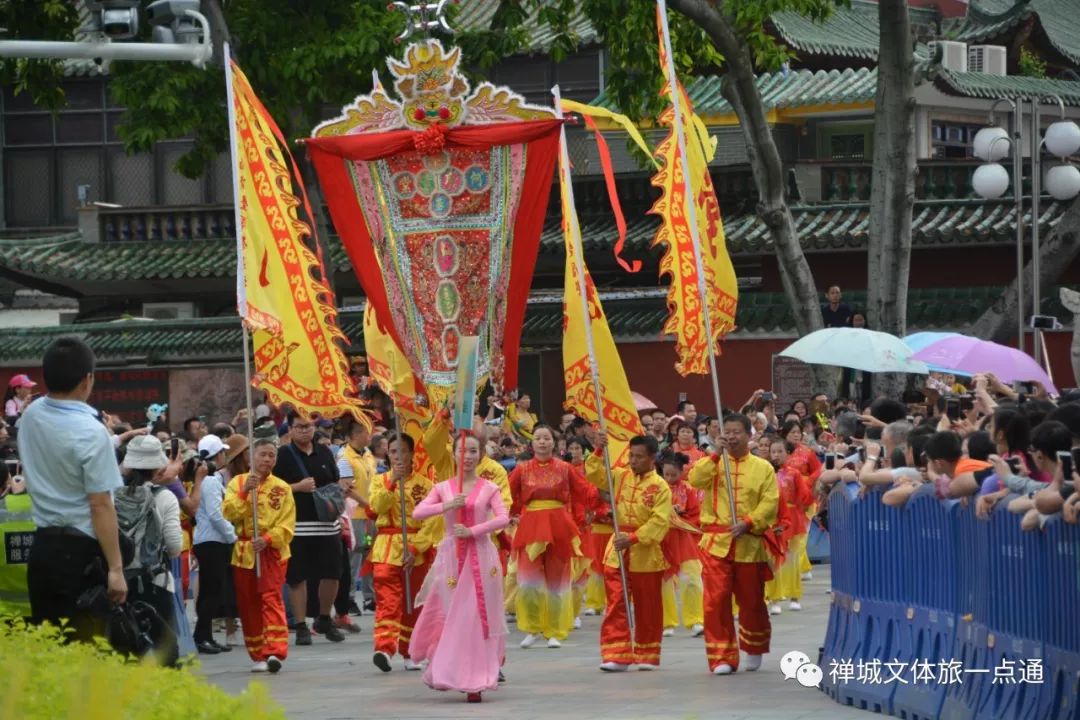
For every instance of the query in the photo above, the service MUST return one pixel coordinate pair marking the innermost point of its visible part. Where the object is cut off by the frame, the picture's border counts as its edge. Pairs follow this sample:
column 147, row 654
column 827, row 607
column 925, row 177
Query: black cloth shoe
column 325, row 627
column 303, row 634
column 502, row 678
column 354, row 610
column 369, row 606
column 220, row 647
column 207, row 647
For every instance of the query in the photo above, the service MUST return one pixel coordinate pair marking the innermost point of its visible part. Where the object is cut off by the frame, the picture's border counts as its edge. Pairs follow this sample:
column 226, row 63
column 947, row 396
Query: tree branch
column 740, row 89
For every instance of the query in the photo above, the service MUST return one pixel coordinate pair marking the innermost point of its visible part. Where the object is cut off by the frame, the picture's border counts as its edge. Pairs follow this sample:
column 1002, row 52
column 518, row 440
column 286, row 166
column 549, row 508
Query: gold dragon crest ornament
column 433, row 92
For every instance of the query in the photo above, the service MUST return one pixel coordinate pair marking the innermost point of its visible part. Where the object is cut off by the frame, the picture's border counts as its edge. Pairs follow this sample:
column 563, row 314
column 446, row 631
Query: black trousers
column 214, row 560
column 62, row 566
column 345, row 585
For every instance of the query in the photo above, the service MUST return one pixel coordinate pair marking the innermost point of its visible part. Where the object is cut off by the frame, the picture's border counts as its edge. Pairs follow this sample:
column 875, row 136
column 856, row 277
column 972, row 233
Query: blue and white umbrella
column 856, row 348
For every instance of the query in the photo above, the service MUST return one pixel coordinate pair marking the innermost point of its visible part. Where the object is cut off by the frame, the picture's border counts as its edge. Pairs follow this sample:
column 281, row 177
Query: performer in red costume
column 547, row 547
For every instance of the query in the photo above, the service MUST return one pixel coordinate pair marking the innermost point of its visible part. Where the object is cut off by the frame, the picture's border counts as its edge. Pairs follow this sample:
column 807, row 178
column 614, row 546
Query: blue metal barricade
column 930, row 584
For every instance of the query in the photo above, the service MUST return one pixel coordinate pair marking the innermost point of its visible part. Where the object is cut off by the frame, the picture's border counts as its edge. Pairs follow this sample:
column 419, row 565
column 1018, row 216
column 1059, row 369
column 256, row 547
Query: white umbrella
column 856, row 348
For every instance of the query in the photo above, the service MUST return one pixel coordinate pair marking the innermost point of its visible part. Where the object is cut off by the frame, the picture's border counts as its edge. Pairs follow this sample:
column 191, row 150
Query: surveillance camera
column 167, row 12
column 120, row 23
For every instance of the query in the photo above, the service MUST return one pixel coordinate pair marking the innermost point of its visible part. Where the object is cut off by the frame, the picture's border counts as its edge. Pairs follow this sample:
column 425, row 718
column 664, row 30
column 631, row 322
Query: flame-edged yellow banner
column 679, row 187
column 620, row 415
column 281, row 294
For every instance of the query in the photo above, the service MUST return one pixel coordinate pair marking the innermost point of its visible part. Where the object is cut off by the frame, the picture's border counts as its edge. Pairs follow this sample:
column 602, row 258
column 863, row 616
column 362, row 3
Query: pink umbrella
column 970, row 356
column 642, row 403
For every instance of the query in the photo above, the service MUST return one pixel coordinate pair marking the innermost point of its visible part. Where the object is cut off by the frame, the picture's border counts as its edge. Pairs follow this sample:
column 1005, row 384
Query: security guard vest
column 16, row 538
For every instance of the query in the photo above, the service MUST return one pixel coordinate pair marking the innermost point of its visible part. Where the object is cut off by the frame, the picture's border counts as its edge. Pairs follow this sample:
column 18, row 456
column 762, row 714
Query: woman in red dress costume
column 547, row 545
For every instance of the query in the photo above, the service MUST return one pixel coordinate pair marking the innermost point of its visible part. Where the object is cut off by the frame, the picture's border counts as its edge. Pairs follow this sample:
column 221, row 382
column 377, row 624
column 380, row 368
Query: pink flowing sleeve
column 430, row 506
column 500, row 520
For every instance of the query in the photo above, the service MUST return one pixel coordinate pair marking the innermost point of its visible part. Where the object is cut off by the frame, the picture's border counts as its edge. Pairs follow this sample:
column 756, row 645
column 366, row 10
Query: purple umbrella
column 970, row 356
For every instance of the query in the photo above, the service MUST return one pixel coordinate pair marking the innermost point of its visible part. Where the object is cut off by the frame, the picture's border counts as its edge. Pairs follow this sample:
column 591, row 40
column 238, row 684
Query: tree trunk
column 1056, row 253
column 739, row 89
column 892, row 194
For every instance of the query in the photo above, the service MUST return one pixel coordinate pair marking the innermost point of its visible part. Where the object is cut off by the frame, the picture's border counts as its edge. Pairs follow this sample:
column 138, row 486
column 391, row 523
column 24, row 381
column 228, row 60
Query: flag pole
column 241, row 293
column 691, row 213
column 570, row 214
column 407, row 572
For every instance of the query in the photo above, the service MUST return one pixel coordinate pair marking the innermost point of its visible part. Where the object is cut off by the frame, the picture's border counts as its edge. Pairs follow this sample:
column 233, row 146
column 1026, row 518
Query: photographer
column 71, row 474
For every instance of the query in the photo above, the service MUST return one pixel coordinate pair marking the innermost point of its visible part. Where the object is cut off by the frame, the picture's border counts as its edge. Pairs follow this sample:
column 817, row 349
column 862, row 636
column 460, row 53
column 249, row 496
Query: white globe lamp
column 991, row 144
column 990, row 181
column 1062, row 139
column 1063, row 182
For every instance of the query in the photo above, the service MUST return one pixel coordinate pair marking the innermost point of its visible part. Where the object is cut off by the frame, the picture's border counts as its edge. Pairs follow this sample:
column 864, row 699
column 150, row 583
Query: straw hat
column 237, row 444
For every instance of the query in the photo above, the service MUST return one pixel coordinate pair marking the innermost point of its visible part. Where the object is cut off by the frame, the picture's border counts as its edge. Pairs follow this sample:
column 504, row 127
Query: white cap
column 210, row 446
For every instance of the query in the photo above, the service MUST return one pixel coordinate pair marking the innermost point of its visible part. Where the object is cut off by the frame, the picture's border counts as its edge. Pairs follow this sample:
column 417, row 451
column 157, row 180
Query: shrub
column 44, row 679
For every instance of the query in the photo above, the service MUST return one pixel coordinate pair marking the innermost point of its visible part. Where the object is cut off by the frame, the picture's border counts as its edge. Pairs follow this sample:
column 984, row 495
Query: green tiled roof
column 806, row 88
column 68, row 257
column 477, row 15
column 850, row 32
column 822, row 228
column 991, row 19
column 983, row 85
column 796, row 88
column 632, row 315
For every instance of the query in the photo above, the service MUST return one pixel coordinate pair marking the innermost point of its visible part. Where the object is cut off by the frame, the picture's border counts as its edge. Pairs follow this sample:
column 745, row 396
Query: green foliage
column 628, row 32
column 300, row 59
column 45, row 680
column 36, row 20
column 1031, row 64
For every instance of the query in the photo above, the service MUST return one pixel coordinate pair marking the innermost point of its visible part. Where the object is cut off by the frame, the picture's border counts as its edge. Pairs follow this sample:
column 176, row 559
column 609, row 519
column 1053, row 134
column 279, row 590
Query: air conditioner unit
column 954, row 54
column 169, row 310
column 989, row 59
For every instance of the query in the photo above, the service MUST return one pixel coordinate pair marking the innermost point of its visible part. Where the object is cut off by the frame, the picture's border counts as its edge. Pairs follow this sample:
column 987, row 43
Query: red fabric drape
column 330, row 156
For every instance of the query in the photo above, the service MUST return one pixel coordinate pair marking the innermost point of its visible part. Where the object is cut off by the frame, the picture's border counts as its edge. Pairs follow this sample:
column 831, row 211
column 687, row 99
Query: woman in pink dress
column 461, row 631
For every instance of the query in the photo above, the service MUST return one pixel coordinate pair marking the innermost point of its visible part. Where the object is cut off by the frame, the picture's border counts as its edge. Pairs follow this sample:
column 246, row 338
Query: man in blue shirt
column 71, row 472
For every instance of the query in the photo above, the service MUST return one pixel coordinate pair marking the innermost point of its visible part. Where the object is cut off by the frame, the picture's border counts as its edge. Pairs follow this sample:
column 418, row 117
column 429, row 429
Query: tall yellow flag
column 679, row 187
column 281, row 294
column 620, row 415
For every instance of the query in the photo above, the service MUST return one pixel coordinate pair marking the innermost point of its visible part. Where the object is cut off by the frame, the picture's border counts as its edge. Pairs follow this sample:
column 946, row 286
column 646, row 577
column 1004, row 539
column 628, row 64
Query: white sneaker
column 808, row 575
column 410, row 665
column 753, row 662
column 529, row 641
column 589, row 612
column 724, row 669
column 577, row 623
column 698, row 630
column 614, row 667
column 273, row 664
column 668, row 632
column 231, row 640
column 554, row 643
column 646, row 667
column 260, row 666
column 774, row 609
column 794, row 606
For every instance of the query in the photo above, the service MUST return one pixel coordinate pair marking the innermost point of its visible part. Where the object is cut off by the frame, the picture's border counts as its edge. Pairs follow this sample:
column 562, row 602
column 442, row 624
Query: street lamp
column 990, row 180
column 992, row 144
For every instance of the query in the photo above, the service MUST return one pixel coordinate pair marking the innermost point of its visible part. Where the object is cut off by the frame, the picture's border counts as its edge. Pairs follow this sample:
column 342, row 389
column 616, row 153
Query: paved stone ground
column 337, row 681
